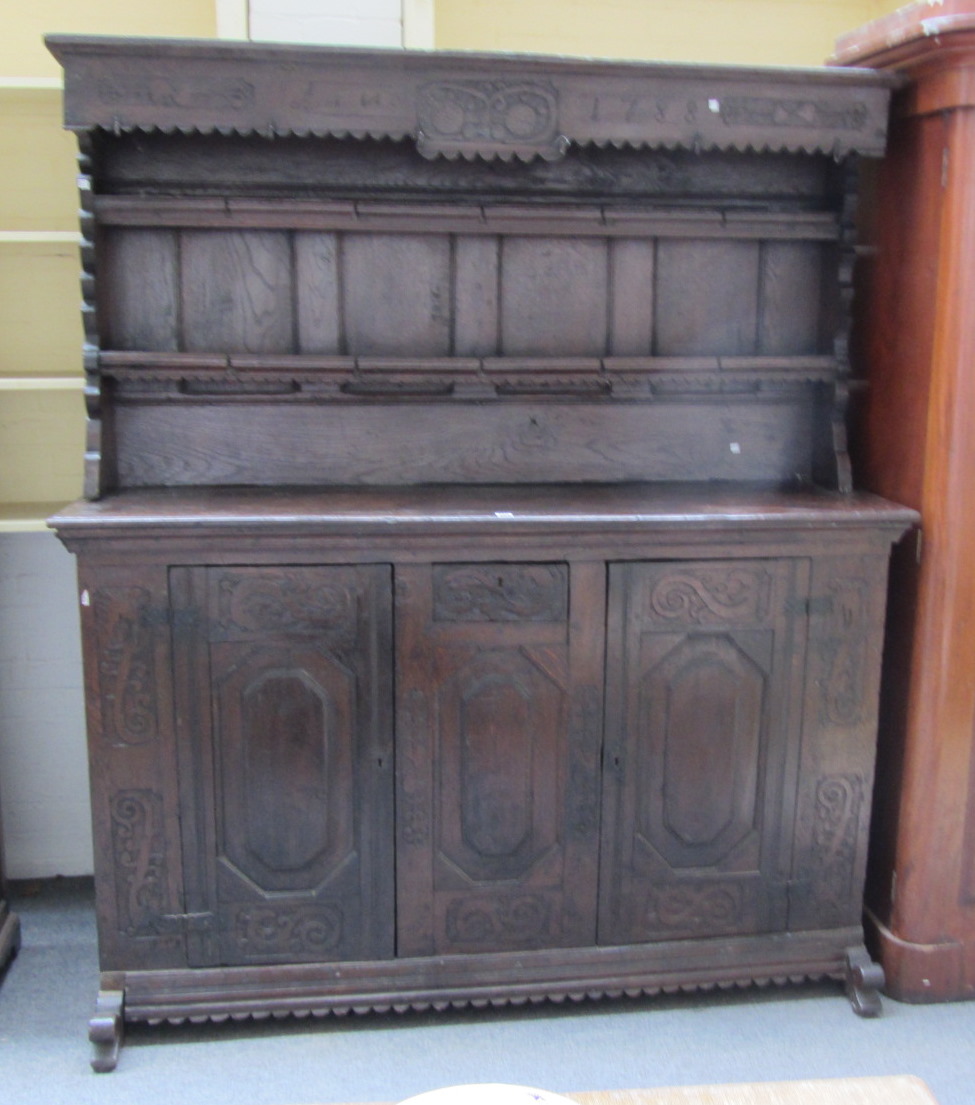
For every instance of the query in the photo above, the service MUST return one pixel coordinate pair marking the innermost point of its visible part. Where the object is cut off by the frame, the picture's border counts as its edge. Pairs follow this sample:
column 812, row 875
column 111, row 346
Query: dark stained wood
column 703, row 661
column 477, row 608
column 914, row 441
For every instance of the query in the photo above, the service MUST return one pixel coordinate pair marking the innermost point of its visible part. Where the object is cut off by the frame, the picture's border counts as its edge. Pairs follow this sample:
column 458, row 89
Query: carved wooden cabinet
column 476, row 605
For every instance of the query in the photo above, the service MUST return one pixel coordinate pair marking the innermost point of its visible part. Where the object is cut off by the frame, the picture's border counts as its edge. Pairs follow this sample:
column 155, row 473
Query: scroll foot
column 105, row 1030
column 864, row 980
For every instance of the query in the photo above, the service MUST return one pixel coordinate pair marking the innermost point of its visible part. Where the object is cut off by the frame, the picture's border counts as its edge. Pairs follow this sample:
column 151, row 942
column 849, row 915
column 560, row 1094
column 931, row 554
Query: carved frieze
column 521, row 919
column 500, row 592
column 267, row 930
column 249, row 602
column 686, row 906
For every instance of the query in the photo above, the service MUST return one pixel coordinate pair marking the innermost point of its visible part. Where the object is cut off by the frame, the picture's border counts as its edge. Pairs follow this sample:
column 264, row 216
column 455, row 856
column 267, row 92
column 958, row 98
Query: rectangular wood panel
column 792, row 298
column 499, row 731
column 236, row 290
column 707, row 298
column 700, row 737
column 631, row 297
column 318, row 293
column 396, row 294
column 138, row 290
column 553, row 296
column 453, row 443
column 476, row 295
column 288, row 778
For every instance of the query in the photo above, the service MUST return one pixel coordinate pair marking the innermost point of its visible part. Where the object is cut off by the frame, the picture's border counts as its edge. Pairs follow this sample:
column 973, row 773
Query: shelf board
column 31, row 84
column 27, row 517
column 40, row 237
column 41, row 383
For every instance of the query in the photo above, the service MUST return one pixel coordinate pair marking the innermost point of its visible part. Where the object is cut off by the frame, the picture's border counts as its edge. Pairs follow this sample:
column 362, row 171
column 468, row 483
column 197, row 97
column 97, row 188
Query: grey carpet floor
column 48, row 990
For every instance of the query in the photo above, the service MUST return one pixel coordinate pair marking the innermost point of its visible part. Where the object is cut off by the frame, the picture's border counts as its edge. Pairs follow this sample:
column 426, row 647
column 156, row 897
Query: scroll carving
column 138, row 848
column 125, row 665
column 266, row 930
column 522, row 919
column 844, row 654
column 839, row 801
column 706, row 596
column 685, row 906
column 503, row 118
column 500, row 593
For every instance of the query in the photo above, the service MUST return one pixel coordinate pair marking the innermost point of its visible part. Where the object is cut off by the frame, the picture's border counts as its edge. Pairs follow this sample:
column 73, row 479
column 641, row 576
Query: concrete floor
column 803, row 1032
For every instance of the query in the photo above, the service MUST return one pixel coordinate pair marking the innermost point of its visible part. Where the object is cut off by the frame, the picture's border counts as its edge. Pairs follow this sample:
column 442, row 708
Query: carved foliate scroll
column 138, row 848
column 126, row 674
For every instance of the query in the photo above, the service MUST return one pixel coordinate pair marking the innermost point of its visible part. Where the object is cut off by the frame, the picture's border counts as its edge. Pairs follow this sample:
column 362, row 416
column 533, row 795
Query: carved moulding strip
column 423, row 983
column 472, row 106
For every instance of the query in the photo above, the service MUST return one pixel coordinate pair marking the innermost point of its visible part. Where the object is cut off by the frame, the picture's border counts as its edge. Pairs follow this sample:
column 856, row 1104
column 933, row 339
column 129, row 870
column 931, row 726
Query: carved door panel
column 704, row 690
column 285, row 717
column 498, row 744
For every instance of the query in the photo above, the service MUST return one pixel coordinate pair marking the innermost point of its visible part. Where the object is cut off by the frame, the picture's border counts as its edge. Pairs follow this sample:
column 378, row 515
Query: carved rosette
column 269, row 931
column 138, row 849
column 523, row 920
column 489, row 118
column 500, row 593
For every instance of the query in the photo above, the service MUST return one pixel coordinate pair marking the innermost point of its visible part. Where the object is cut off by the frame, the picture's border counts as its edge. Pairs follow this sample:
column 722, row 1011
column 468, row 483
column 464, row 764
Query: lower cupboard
column 402, row 781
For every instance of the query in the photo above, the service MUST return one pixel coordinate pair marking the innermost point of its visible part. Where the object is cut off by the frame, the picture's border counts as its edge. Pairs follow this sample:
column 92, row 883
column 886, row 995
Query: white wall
column 43, row 759
column 391, row 23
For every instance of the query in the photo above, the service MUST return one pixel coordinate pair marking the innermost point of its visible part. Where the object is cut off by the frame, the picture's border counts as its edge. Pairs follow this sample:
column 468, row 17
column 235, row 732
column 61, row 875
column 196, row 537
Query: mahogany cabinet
column 914, row 442
column 476, row 604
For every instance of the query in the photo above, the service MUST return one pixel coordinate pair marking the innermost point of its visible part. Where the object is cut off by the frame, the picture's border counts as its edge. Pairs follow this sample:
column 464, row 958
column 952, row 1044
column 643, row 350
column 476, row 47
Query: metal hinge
column 185, row 922
column 813, row 606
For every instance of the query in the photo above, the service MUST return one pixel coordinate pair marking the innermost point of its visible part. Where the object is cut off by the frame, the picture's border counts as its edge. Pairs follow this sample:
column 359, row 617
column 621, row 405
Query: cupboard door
column 498, row 744
column 704, row 681
column 285, row 720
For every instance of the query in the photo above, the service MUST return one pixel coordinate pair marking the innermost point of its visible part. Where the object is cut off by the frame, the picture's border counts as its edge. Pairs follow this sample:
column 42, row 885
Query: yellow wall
column 22, row 50
column 745, row 32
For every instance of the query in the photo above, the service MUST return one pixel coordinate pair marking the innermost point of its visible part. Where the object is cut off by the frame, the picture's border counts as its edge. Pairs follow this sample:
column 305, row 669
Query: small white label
column 85, row 598
column 735, row 448
column 714, row 105
column 504, row 514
